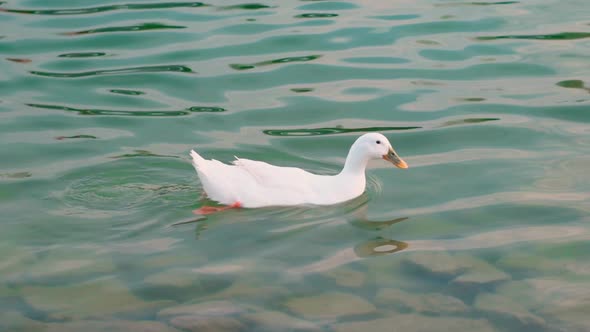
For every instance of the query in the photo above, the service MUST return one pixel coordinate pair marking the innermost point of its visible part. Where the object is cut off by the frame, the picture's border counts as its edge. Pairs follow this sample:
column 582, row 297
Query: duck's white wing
column 254, row 183
column 272, row 176
column 275, row 185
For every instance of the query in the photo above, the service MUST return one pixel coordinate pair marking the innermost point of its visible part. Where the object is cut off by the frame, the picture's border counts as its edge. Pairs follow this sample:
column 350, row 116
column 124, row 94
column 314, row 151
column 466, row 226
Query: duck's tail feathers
column 198, row 161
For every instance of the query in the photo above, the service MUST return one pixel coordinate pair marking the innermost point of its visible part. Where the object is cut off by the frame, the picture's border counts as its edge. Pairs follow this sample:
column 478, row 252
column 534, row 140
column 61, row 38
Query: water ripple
column 331, row 131
column 142, row 153
column 59, row 138
column 143, row 69
column 396, row 17
column 316, row 15
column 82, row 54
column 137, row 27
column 467, row 121
column 100, row 9
column 477, row 3
column 127, row 92
column 247, row 6
column 90, row 111
column 106, row 193
column 555, row 36
column 19, row 60
column 573, row 84
column 275, row 61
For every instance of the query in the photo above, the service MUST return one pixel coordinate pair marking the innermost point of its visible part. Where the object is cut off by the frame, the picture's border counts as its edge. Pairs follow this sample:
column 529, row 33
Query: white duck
column 252, row 184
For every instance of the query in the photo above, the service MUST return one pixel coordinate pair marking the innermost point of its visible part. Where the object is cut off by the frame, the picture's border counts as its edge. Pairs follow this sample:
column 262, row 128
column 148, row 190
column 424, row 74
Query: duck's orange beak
column 393, row 158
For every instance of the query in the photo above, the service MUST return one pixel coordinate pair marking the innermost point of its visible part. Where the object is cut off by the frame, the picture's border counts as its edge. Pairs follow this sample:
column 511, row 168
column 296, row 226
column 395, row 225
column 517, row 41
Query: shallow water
column 487, row 101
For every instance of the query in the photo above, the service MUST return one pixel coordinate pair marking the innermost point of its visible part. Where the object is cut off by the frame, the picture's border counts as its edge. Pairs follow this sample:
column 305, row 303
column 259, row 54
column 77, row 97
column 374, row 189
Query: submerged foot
column 204, row 210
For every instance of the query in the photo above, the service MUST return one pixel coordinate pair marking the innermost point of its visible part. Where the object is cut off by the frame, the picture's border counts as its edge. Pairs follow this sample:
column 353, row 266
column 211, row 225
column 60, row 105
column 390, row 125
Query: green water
column 488, row 102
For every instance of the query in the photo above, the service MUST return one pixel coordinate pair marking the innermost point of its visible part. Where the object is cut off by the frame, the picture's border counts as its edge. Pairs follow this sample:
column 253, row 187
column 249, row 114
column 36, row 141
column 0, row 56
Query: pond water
column 487, row 101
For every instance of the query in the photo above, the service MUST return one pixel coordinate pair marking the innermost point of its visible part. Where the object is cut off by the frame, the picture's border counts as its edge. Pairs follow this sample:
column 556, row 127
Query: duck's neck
column 356, row 162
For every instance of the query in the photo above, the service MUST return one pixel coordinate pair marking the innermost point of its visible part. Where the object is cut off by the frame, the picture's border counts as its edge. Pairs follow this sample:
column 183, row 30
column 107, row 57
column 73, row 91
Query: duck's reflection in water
column 379, row 247
column 491, row 239
column 373, row 225
column 302, row 220
column 200, row 223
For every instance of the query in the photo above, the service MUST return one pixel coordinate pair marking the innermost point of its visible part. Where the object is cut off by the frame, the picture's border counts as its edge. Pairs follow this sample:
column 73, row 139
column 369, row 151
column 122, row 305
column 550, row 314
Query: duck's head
column 377, row 146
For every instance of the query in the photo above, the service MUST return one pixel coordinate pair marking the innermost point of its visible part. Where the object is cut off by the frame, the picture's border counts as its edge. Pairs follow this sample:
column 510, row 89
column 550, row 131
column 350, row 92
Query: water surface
column 487, row 101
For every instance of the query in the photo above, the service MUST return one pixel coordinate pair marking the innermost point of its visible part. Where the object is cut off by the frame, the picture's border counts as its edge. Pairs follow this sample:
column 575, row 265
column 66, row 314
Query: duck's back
column 256, row 183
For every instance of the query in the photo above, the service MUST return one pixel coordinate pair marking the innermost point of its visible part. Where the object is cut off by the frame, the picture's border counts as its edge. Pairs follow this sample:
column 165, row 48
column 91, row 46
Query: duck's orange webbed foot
column 205, row 210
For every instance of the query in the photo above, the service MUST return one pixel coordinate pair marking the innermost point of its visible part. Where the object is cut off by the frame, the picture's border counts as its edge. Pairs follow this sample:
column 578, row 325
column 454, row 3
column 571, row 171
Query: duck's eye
column 378, row 142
